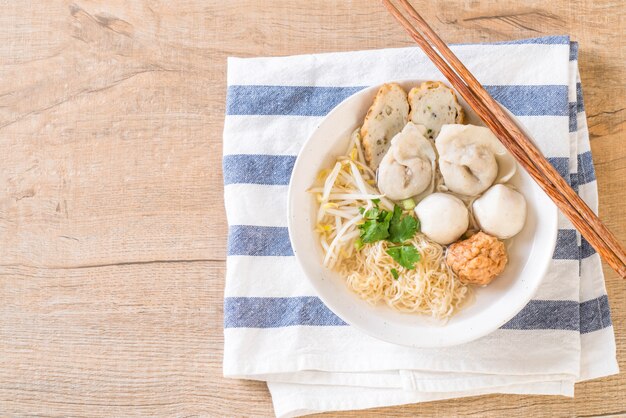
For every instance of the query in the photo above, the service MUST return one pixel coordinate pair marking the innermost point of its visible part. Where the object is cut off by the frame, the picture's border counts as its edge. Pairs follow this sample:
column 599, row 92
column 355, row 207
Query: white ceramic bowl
column 492, row 307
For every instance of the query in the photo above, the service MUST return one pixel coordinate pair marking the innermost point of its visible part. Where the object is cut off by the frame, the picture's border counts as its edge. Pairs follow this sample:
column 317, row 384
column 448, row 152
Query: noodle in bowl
column 426, row 306
column 431, row 288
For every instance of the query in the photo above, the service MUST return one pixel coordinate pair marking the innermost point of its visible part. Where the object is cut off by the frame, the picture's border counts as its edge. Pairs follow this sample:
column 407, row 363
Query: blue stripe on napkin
column 285, row 100
column 546, row 40
column 573, row 51
column 548, row 314
column 586, row 250
column 261, row 241
column 277, row 312
column 595, row 314
column 258, row 169
column 276, row 169
column 586, row 171
column 532, row 100
column 318, row 101
column 580, row 104
column 561, row 165
column 273, row 312
column 566, row 245
column 574, row 181
column 573, row 117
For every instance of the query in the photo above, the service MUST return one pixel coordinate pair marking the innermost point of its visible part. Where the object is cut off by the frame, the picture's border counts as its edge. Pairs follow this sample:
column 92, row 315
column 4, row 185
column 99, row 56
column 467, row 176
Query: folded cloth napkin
column 277, row 330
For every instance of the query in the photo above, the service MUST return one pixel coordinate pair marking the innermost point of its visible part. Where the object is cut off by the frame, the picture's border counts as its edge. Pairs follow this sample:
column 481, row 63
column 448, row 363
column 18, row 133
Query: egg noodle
column 431, row 288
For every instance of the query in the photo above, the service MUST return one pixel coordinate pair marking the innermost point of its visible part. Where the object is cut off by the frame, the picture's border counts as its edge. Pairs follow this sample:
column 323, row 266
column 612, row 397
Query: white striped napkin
column 275, row 327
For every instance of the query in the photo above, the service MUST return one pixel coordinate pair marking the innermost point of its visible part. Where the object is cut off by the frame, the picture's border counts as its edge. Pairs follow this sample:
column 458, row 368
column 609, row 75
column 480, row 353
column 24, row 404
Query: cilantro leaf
column 380, row 224
column 397, row 214
column 376, row 202
column 376, row 225
column 395, row 274
column 405, row 255
column 372, row 231
column 373, row 213
column 401, row 228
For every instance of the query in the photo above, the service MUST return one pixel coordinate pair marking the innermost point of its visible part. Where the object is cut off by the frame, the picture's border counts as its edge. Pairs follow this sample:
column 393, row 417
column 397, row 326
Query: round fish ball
column 443, row 217
column 500, row 211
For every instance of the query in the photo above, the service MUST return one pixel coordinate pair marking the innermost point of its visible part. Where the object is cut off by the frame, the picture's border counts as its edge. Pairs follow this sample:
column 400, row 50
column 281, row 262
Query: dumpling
column 501, row 211
column 471, row 159
column 434, row 104
column 443, row 217
column 385, row 118
column 408, row 168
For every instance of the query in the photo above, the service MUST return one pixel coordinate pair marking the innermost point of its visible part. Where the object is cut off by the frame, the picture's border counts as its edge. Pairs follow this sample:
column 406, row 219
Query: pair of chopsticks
column 515, row 141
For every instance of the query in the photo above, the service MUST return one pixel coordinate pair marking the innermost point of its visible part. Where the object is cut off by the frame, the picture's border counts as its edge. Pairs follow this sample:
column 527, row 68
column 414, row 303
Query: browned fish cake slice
column 433, row 104
column 385, row 118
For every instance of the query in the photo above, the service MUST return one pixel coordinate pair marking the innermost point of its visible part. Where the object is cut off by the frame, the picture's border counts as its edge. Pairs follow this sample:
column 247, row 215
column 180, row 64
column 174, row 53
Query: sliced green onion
column 408, row 204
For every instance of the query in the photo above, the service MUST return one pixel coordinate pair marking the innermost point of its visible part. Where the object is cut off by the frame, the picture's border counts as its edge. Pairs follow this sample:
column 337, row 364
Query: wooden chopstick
column 511, row 127
column 520, row 146
column 585, row 220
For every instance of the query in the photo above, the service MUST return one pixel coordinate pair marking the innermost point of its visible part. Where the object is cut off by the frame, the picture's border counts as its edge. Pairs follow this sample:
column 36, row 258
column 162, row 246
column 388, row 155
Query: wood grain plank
column 111, row 115
column 108, row 183
column 116, row 341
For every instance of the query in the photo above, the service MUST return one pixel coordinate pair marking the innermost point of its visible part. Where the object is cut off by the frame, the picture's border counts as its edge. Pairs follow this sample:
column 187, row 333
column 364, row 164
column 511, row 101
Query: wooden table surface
column 112, row 226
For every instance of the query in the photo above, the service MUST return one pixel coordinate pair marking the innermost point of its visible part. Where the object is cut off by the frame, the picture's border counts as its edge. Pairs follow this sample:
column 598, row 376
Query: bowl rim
column 339, row 310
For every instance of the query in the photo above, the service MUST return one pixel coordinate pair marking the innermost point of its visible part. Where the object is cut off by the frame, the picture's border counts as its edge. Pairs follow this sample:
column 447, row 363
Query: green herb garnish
column 408, row 204
column 380, row 224
column 373, row 213
column 405, row 255
column 401, row 228
column 376, row 225
column 394, row 227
